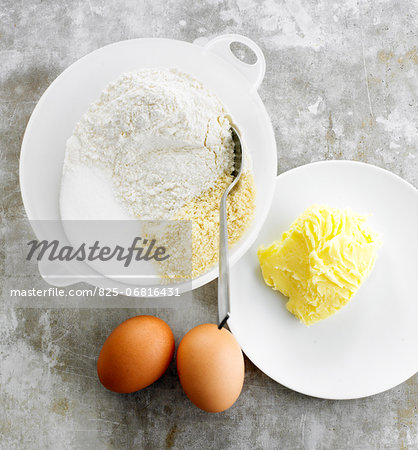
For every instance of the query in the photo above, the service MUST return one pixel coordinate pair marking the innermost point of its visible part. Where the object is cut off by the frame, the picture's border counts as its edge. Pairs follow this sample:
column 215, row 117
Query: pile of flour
column 155, row 139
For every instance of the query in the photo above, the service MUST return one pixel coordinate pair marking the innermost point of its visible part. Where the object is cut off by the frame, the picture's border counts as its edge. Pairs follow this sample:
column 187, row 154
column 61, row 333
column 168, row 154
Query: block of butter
column 320, row 262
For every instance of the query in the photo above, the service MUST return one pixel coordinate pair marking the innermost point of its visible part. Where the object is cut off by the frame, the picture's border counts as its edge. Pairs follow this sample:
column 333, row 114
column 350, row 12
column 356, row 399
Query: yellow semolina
column 320, row 262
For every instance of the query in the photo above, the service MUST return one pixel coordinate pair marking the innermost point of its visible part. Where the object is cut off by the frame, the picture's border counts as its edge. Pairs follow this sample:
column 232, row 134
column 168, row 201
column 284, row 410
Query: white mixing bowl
column 69, row 96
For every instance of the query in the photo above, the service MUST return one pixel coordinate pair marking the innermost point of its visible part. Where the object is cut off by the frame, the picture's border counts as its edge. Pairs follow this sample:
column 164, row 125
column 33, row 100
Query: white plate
column 372, row 343
column 69, row 96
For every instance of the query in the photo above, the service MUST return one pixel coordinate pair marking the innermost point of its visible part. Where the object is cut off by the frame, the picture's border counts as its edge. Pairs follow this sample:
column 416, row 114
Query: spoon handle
column 223, row 280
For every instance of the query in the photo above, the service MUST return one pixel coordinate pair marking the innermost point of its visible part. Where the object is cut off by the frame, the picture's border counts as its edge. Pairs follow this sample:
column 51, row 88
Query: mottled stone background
column 341, row 83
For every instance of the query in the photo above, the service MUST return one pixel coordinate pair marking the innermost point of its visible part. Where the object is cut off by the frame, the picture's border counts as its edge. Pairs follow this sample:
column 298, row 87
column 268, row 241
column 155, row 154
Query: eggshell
column 210, row 366
column 135, row 354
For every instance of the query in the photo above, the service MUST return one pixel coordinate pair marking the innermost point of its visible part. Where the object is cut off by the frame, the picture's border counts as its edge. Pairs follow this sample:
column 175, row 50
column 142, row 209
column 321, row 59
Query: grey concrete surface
column 341, row 83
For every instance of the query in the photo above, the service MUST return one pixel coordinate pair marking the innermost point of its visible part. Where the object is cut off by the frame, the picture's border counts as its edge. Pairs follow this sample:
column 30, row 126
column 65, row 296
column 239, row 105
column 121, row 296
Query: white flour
column 155, row 139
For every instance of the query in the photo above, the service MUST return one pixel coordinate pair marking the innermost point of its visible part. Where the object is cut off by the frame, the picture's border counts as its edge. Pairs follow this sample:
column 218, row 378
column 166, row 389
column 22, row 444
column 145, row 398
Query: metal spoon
column 223, row 280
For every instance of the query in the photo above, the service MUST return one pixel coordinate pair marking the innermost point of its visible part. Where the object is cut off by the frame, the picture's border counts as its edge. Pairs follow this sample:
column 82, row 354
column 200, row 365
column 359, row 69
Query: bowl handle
column 56, row 274
column 254, row 73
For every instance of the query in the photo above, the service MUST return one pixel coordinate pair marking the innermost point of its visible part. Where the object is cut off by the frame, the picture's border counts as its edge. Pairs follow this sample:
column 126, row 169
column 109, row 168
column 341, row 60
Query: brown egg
column 135, row 354
column 210, row 365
